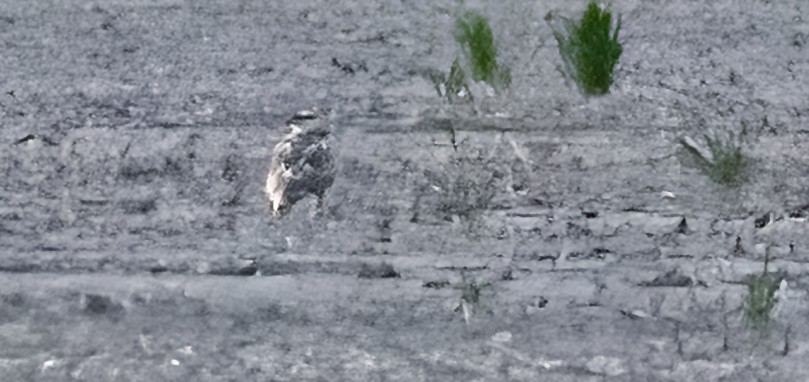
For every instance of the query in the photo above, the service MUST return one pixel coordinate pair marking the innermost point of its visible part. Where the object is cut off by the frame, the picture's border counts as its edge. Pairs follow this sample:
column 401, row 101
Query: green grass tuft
column 474, row 35
column 453, row 87
column 589, row 50
column 472, row 296
column 727, row 164
column 467, row 187
column 761, row 298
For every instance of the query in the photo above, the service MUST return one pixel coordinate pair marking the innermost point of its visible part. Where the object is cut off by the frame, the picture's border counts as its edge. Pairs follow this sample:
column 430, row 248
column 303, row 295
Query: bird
column 302, row 163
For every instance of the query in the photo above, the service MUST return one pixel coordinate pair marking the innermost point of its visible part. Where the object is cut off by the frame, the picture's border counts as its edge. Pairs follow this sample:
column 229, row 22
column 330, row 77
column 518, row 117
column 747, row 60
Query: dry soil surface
column 136, row 243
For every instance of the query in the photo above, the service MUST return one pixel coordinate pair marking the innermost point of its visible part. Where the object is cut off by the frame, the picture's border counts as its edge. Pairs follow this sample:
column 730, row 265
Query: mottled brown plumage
column 302, row 163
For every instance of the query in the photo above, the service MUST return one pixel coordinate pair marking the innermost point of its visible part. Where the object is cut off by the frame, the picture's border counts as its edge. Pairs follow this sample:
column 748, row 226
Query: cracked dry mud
column 136, row 245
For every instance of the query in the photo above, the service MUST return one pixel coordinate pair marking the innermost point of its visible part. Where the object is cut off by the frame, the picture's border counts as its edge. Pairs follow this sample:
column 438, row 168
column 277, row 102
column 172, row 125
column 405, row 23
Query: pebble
column 504, row 336
column 203, row 267
column 608, row 366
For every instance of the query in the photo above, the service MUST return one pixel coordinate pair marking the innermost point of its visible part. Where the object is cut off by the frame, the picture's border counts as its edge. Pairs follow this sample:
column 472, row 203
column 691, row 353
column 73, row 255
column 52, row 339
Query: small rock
column 801, row 212
column 507, row 275
column 553, row 364
column 608, row 366
column 158, row 269
column 162, row 266
column 29, row 137
column 536, row 305
column 379, row 271
column 51, row 363
column 203, row 267
column 762, row 221
column 530, row 310
column 248, row 269
column 540, row 302
column 656, row 345
column 682, row 228
column 186, row 350
column 504, row 336
column 636, row 314
column 667, row 195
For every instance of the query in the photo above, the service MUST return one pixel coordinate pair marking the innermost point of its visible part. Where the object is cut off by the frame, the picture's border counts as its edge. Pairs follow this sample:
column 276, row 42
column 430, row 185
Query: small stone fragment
column 504, row 336
column 203, row 267
column 635, row 314
column 249, row 269
column 507, row 275
column 540, row 302
column 763, row 220
column 608, row 366
column 682, row 228
column 590, row 214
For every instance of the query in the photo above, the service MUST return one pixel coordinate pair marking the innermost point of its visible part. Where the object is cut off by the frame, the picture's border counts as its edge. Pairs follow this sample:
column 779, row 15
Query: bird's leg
column 321, row 202
column 318, row 212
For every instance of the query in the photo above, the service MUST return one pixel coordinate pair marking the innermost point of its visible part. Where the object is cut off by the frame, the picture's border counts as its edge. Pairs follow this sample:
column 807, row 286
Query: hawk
column 302, row 163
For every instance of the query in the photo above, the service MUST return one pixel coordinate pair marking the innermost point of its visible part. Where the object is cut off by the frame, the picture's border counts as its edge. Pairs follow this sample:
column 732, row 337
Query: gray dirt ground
column 124, row 225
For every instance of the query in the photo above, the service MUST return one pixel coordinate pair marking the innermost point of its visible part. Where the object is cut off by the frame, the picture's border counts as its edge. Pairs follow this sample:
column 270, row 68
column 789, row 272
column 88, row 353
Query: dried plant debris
column 460, row 189
column 471, row 297
column 761, row 297
column 588, row 48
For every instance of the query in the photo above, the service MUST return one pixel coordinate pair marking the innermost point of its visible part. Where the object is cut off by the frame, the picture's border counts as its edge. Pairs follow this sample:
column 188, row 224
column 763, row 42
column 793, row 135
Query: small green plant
column 724, row 162
column 466, row 186
column 471, row 295
column 474, row 35
column 453, row 87
column 761, row 297
column 588, row 48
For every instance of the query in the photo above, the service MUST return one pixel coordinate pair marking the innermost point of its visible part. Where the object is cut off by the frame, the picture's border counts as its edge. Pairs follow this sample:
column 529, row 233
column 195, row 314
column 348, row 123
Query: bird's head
column 315, row 120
